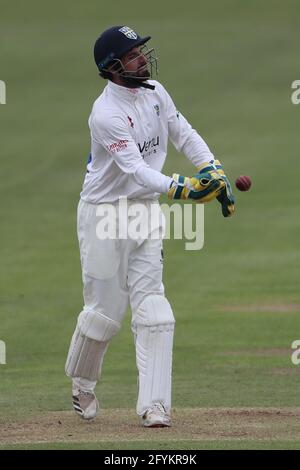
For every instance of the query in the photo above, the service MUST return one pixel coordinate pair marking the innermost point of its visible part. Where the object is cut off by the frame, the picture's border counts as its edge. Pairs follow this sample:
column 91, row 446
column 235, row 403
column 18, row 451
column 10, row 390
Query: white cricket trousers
column 118, row 272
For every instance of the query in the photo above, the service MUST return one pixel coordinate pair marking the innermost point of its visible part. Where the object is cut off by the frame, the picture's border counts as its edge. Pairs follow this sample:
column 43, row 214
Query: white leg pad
column 153, row 327
column 93, row 332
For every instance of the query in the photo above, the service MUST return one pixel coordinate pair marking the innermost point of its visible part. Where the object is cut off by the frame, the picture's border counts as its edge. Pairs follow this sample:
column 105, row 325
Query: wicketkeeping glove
column 225, row 197
column 201, row 187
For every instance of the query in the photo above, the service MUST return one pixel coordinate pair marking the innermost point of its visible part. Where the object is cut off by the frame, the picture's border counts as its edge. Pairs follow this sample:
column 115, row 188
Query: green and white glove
column 202, row 187
column 225, row 197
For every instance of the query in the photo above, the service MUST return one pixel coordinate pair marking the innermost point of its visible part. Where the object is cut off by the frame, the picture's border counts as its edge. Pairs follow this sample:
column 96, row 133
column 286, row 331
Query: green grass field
column 229, row 66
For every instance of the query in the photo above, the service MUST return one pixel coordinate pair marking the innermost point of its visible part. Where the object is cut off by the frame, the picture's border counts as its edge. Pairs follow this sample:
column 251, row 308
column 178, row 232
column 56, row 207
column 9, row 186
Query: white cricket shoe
column 85, row 404
column 156, row 417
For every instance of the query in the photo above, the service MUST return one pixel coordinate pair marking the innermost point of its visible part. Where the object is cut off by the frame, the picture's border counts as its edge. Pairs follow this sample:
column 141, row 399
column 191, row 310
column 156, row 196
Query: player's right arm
column 112, row 132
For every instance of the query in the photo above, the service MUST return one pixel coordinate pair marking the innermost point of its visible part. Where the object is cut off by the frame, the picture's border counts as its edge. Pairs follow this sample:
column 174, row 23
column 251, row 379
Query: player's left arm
column 184, row 138
column 187, row 140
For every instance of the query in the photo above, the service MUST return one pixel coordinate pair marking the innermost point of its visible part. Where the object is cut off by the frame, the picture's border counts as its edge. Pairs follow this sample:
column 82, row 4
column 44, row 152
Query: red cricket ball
column 243, row 183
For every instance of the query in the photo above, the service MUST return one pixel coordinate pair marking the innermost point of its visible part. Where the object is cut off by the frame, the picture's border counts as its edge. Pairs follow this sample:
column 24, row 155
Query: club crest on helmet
column 129, row 33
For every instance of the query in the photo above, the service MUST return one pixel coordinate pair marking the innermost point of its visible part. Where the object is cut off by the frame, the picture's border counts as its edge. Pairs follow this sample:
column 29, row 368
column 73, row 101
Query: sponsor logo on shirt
column 156, row 107
column 117, row 146
column 149, row 145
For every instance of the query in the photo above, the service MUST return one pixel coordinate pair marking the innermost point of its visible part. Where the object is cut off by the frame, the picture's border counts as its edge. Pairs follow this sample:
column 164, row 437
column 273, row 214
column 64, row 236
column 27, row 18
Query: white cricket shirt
column 130, row 128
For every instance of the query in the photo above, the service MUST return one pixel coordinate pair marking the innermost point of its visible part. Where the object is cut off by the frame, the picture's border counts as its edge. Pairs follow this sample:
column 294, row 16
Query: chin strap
column 139, row 83
column 147, row 85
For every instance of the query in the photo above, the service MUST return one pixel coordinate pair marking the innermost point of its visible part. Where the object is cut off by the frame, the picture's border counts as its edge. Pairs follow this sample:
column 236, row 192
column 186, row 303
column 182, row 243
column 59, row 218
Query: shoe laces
column 158, row 408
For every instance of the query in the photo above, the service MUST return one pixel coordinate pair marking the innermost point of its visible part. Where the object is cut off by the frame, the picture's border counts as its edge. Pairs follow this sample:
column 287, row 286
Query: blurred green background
column 229, row 66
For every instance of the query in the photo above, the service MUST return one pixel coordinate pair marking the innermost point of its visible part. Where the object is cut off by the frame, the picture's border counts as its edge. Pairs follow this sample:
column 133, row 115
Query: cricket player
column 130, row 124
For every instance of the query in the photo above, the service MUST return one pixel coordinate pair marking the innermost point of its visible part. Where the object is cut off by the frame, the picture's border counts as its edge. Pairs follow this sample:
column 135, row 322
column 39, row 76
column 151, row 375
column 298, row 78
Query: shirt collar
column 129, row 94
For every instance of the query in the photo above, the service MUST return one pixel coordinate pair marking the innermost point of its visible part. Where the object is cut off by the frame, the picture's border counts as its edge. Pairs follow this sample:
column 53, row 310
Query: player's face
column 135, row 63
